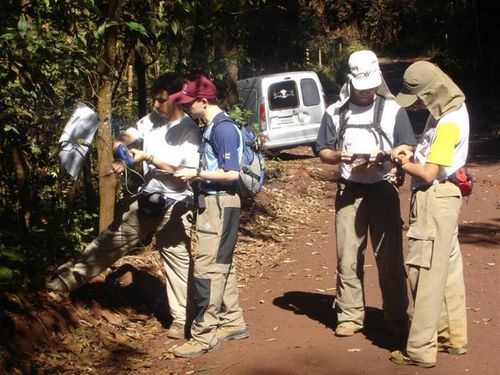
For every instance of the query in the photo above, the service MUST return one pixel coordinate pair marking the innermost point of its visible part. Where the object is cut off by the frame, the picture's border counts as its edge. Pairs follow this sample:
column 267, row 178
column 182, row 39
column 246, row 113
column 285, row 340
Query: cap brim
column 366, row 83
column 405, row 99
column 181, row 98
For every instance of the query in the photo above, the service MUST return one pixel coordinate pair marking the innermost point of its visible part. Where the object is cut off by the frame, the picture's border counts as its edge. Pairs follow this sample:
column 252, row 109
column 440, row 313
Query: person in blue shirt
column 219, row 315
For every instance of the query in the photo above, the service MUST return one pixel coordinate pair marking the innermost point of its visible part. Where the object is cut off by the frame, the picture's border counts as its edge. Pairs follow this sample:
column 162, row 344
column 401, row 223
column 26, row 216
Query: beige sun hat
column 426, row 81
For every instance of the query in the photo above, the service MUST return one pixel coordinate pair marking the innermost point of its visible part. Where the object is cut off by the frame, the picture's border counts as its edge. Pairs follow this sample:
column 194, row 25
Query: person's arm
column 440, row 154
column 226, row 142
column 427, row 172
column 325, row 143
column 404, row 137
column 219, row 175
column 126, row 138
column 140, row 156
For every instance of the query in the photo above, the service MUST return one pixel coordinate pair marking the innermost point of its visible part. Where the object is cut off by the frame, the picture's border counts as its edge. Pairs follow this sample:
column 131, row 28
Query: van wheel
column 314, row 149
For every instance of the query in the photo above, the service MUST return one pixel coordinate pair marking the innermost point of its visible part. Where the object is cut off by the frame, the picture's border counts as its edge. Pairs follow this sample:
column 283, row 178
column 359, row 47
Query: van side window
column 283, row 95
column 310, row 93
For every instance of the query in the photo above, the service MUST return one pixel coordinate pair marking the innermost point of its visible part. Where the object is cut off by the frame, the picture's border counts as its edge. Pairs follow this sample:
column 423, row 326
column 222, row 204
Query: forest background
column 55, row 53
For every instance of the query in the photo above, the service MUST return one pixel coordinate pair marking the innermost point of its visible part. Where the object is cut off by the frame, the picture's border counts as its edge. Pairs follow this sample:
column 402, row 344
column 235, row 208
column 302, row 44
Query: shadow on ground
column 485, row 234
column 318, row 307
column 128, row 287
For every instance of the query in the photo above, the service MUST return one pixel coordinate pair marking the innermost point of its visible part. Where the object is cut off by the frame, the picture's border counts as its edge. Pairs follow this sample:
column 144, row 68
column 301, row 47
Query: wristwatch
column 150, row 159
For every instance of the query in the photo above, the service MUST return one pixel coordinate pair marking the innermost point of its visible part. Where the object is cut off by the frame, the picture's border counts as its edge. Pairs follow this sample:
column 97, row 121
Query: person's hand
column 346, row 157
column 396, row 176
column 185, row 174
column 401, row 149
column 118, row 166
column 378, row 157
column 356, row 160
column 403, row 157
column 139, row 155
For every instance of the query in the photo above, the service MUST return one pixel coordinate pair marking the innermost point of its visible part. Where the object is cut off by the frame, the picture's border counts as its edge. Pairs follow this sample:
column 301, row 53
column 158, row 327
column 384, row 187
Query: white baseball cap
column 364, row 70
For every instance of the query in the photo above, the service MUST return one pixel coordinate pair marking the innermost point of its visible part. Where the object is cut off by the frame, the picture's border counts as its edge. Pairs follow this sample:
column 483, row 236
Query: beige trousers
column 435, row 272
column 373, row 209
column 131, row 231
column 216, row 285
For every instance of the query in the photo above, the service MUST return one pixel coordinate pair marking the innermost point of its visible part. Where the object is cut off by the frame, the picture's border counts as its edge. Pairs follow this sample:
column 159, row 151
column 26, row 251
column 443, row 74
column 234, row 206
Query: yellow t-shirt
column 442, row 149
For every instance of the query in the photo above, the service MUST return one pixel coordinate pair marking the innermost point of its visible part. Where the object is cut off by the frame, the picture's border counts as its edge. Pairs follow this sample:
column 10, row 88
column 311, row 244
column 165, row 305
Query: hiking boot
column 191, row 348
column 56, row 285
column 453, row 351
column 231, row 333
column 176, row 331
column 345, row 331
column 399, row 358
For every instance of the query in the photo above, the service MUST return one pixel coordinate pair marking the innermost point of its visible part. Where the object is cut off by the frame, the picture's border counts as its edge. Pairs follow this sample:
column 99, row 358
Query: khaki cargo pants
column 131, row 231
column 435, row 272
column 374, row 209
column 216, row 285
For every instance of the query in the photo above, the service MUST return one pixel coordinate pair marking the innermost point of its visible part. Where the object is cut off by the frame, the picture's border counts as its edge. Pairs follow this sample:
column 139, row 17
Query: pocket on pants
column 421, row 249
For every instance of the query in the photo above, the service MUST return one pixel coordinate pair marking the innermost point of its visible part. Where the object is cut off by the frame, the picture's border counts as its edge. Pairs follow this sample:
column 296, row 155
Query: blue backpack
column 252, row 171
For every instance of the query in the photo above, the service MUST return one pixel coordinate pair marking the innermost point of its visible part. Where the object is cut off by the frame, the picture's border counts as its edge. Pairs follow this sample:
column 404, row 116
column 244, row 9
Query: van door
column 295, row 110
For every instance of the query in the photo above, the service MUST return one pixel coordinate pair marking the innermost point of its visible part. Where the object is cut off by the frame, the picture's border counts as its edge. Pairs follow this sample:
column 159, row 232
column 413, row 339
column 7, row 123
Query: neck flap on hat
column 441, row 96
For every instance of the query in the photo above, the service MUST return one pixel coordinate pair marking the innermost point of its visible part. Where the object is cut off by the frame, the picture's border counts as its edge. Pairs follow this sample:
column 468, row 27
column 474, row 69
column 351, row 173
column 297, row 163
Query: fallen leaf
column 112, row 318
column 474, row 308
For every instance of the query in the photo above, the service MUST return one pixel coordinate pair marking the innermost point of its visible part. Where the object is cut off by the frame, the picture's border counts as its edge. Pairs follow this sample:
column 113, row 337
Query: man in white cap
column 357, row 133
column 435, row 269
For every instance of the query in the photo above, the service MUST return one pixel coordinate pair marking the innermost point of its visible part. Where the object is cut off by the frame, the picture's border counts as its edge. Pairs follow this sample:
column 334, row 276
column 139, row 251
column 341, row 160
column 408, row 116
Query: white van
column 288, row 107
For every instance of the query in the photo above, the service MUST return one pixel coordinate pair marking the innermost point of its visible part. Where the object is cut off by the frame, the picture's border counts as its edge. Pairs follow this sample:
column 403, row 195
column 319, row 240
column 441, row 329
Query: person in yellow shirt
column 434, row 262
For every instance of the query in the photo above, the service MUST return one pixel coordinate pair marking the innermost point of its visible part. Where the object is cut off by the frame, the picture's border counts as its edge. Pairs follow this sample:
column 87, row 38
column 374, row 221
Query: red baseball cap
column 197, row 88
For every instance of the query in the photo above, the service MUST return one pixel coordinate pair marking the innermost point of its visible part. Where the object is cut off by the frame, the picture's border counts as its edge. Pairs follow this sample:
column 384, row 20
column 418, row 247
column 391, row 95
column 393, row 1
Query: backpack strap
column 377, row 117
column 217, row 122
column 342, row 124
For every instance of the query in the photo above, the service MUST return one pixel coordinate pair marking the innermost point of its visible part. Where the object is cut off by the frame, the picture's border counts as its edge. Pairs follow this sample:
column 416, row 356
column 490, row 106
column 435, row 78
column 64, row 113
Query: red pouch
column 463, row 180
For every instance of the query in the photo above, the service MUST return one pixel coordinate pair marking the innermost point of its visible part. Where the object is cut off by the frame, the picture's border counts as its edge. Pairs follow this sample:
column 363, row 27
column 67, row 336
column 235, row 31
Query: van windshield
column 283, row 95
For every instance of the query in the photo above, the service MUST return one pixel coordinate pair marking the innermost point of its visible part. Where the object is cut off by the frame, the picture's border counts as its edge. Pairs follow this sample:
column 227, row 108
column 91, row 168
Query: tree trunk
column 142, row 92
column 107, row 179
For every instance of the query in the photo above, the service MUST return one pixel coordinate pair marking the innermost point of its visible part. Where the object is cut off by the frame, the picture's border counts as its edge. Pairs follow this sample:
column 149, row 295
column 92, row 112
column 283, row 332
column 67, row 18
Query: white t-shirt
column 395, row 125
column 175, row 143
column 458, row 119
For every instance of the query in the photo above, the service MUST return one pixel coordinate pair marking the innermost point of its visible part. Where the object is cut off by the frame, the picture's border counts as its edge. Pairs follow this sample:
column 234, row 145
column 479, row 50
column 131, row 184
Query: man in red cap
column 219, row 317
